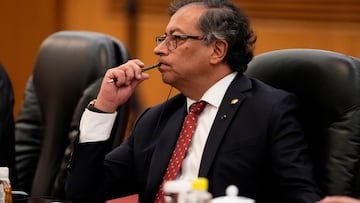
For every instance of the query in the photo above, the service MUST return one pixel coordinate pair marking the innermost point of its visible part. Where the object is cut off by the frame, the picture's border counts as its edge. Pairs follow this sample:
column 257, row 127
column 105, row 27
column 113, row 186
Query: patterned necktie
column 181, row 147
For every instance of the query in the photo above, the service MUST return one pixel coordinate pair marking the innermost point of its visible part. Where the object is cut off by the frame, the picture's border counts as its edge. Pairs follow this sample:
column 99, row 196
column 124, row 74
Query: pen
column 143, row 70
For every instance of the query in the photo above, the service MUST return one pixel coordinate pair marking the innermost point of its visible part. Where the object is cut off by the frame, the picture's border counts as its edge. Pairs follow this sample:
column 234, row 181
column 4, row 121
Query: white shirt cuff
column 95, row 126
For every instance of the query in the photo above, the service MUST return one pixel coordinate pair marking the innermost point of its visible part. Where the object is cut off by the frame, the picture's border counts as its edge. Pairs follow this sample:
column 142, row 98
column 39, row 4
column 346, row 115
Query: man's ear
column 220, row 48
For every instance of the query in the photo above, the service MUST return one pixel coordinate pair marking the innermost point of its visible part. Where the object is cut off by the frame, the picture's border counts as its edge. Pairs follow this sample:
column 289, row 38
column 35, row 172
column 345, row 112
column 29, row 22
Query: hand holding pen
column 143, row 70
column 120, row 83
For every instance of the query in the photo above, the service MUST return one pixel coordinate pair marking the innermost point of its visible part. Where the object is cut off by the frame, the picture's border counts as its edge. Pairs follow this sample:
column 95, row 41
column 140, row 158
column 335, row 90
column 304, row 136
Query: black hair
column 224, row 20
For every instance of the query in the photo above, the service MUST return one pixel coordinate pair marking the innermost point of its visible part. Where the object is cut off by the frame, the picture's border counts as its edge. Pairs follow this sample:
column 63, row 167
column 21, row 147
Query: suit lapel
column 230, row 104
column 163, row 150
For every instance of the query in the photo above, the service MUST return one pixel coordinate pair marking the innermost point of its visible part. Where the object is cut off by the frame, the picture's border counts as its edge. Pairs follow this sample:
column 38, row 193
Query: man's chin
column 165, row 80
column 165, row 77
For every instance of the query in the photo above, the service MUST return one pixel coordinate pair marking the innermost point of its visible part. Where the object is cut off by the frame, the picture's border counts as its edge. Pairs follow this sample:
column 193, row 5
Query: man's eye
column 160, row 39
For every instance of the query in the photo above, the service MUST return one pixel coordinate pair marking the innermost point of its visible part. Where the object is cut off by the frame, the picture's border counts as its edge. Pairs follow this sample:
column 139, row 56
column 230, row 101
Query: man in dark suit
column 247, row 135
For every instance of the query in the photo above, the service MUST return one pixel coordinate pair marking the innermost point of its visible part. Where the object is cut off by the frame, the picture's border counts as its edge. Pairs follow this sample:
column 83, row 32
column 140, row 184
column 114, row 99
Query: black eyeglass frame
column 175, row 38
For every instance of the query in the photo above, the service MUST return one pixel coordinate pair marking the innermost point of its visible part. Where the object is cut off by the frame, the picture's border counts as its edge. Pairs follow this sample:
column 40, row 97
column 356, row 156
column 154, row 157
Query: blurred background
column 320, row 24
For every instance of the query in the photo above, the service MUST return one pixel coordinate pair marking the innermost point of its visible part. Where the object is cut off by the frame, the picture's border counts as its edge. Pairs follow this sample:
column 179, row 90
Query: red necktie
column 181, row 147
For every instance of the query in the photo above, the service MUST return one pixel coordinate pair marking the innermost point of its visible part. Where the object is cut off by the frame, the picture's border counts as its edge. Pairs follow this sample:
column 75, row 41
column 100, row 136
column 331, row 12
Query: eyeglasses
column 172, row 41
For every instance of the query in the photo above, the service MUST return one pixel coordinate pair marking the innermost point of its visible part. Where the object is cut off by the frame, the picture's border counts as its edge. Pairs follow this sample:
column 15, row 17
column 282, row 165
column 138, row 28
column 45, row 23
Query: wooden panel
column 24, row 25
column 319, row 10
column 338, row 10
column 107, row 17
column 334, row 36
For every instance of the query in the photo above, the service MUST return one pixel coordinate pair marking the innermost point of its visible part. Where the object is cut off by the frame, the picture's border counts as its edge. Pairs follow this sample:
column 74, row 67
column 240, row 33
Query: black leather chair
column 7, row 149
column 328, row 87
column 67, row 75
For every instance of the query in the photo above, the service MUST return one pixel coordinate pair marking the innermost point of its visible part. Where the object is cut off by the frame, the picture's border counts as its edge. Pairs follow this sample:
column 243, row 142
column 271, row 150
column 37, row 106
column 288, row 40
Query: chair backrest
column 328, row 87
column 7, row 149
column 67, row 63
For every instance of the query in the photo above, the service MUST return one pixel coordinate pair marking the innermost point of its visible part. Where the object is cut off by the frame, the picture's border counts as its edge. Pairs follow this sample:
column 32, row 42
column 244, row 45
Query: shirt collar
column 215, row 93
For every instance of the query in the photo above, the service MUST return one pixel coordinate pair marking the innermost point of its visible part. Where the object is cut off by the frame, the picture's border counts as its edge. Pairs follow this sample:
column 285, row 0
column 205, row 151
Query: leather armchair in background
column 67, row 64
column 328, row 87
column 7, row 149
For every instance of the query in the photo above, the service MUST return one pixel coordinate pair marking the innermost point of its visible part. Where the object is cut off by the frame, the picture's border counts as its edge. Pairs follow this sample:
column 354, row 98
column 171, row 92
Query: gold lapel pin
column 234, row 101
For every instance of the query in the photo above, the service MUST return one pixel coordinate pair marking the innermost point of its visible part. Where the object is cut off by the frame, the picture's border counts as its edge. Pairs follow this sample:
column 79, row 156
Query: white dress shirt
column 213, row 96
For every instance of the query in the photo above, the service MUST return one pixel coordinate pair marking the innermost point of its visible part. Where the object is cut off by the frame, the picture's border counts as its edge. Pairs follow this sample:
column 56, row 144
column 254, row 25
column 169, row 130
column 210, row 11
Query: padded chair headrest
column 66, row 64
column 328, row 87
column 77, row 57
column 330, row 79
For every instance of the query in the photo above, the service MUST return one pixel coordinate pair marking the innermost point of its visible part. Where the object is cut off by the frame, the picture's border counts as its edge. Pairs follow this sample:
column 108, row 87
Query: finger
column 138, row 62
column 126, row 73
column 133, row 70
column 116, row 76
column 136, row 82
column 130, row 74
column 338, row 199
column 138, row 71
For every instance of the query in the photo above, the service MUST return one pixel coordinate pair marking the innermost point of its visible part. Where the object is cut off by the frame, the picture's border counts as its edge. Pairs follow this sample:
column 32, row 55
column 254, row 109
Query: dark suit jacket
column 256, row 144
